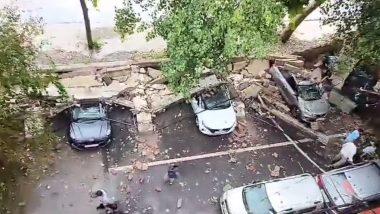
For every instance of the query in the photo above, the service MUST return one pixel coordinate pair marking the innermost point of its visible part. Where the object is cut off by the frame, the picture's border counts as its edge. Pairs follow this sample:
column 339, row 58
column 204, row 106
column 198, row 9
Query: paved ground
column 180, row 136
column 201, row 181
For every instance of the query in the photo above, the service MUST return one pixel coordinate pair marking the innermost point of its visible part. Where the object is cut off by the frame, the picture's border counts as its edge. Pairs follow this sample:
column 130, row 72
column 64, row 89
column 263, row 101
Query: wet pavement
column 201, row 181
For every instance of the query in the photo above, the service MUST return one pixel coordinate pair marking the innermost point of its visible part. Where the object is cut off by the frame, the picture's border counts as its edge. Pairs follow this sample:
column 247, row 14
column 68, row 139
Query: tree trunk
column 90, row 42
column 297, row 20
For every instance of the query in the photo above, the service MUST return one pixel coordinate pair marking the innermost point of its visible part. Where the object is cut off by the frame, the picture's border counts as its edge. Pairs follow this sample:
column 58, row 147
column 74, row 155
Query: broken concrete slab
column 240, row 110
column 243, row 85
column 341, row 102
column 252, row 91
column 314, row 126
column 80, row 81
column 142, row 71
column 282, row 107
column 154, row 73
column 238, row 66
column 159, row 103
column 140, row 103
column 159, row 80
column 123, row 102
column 158, row 86
column 145, row 128
column 295, row 123
column 143, row 78
column 144, row 117
column 89, row 66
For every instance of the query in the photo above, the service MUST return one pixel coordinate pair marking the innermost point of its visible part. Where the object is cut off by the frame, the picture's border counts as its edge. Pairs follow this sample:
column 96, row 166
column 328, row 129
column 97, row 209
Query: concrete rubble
column 141, row 87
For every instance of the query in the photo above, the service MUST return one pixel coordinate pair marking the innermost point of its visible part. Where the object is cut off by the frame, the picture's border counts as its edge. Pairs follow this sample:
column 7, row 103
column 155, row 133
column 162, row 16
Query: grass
column 97, row 44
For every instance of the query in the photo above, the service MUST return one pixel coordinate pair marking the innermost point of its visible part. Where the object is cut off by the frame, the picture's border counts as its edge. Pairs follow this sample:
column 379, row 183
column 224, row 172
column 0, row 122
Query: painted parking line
column 210, row 155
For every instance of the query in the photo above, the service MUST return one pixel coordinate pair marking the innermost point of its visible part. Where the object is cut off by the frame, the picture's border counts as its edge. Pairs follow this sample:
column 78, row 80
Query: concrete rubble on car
column 252, row 83
column 135, row 86
column 142, row 88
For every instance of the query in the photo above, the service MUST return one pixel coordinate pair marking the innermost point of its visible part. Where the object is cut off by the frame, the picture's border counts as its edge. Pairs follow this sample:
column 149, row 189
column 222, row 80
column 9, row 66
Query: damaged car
column 305, row 98
column 352, row 188
column 215, row 114
column 89, row 127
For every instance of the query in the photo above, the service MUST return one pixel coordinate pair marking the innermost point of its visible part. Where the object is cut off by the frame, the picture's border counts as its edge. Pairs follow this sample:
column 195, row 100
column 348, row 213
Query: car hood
column 314, row 107
column 235, row 202
column 218, row 119
column 90, row 130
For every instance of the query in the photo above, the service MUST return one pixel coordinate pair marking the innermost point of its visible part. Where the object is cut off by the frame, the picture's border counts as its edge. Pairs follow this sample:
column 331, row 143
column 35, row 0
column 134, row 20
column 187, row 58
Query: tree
column 357, row 22
column 87, row 24
column 22, row 84
column 206, row 34
column 297, row 14
column 90, row 42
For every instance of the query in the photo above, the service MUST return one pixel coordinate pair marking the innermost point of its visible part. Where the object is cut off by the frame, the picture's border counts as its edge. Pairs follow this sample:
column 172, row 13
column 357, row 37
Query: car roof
column 360, row 181
column 289, row 193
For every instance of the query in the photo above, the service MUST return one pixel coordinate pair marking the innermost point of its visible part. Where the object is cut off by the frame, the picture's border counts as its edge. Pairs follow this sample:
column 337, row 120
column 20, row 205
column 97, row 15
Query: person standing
column 172, row 174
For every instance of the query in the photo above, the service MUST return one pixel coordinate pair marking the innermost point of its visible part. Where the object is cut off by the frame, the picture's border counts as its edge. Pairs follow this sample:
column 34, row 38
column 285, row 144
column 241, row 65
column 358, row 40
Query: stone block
column 154, row 73
column 144, row 117
column 144, row 128
column 252, row 91
column 139, row 103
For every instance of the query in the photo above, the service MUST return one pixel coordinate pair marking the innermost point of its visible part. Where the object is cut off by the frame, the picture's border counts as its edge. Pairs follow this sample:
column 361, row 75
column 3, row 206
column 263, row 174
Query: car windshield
column 84, row 113
column 256, row 200
column 216, row 99
column 309, row 92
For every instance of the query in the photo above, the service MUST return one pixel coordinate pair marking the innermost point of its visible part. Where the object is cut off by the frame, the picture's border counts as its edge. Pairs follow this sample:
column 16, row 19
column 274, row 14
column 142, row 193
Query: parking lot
column 202, row 179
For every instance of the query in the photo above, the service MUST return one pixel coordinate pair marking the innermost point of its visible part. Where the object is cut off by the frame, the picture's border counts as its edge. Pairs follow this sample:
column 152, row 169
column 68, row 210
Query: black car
column 89, row 126
column 359, row 82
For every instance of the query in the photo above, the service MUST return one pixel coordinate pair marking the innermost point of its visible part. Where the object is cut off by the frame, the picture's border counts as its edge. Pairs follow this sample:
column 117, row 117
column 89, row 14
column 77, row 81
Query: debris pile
column 252, row 79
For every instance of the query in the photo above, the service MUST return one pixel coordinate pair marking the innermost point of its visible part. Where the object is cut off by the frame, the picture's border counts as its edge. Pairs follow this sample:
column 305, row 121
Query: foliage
column 97, row 44
column 22, row 85
column 21, row 81
column 206, row 34
column 95, row 3
column 125, row 19
column 357, row 22
column 295, row 6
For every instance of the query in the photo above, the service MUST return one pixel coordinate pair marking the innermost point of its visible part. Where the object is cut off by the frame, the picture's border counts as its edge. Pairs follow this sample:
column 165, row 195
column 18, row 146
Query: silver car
column 296, row 194
column 305, row 98
column 352, row 188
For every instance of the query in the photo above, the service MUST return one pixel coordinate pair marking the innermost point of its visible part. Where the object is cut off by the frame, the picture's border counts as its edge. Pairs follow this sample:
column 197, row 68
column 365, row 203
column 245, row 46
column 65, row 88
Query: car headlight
column 72, row 135
column 108, row 131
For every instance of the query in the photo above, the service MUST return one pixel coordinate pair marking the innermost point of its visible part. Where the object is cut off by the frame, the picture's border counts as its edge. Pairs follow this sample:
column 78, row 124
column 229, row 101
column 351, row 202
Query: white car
column 215, row 114
column 296, row 194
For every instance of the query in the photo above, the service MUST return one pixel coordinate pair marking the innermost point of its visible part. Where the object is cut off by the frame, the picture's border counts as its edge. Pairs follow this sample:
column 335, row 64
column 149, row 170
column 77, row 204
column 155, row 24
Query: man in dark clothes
column 172, row 174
